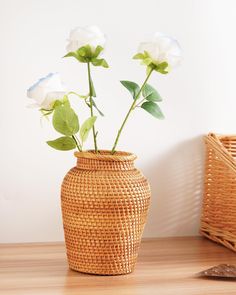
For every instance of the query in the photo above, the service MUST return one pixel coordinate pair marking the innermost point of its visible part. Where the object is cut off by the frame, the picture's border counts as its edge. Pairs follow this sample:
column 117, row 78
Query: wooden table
column 165, row 266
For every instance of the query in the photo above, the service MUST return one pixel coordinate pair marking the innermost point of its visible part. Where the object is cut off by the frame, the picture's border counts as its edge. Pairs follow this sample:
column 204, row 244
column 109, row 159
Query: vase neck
column 105, row 161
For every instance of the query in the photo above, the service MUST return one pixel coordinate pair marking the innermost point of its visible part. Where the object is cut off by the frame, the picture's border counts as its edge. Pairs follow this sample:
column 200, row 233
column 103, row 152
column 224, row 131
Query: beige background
column 198, row 97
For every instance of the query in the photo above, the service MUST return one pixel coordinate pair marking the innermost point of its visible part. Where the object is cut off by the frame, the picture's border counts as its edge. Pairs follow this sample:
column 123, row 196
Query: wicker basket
column 218, row 221
column 105, row 201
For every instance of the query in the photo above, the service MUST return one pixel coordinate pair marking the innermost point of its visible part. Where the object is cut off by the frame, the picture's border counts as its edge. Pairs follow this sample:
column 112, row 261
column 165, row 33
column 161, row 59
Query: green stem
column 80, row 96
column 139, row 103
column 79, row 148
column 91, row 106
column 80, row 144
column 128, row 114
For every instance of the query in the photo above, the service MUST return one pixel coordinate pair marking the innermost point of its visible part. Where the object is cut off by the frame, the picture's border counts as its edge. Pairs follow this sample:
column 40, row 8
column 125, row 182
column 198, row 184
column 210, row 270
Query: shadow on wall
column 177, row 183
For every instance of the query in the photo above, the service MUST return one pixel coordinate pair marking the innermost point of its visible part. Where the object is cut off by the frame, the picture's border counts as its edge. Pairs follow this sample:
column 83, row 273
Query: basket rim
column 105, row 155
column 220, row 136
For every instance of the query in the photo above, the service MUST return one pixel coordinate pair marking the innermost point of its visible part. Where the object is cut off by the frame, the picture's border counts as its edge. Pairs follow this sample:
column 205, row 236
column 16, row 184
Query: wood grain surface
column 165, row 266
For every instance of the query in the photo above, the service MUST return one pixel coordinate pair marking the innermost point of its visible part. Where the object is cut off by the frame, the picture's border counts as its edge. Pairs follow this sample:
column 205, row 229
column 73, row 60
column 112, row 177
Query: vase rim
column 105, row 155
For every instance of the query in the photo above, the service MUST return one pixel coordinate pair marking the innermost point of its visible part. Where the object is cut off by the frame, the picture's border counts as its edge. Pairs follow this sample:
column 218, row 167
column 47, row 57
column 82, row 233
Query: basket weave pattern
column 219, row 202
column 104, row 202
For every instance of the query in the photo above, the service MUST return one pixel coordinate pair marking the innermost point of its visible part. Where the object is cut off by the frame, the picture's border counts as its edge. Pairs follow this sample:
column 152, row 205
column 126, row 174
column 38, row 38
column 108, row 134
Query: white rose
column 163, row 49
column 90, row 35
column 46, row 91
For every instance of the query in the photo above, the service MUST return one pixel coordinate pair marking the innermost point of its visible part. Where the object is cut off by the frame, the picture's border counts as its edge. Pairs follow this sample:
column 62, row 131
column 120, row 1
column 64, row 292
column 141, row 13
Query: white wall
column 198, row 97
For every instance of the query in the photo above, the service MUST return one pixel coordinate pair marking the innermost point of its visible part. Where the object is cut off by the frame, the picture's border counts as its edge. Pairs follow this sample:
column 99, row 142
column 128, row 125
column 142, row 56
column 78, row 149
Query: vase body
column 105, row 202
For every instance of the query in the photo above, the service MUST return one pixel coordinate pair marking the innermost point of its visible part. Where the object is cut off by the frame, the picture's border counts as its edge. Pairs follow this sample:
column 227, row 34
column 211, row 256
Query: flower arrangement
column 86, row 45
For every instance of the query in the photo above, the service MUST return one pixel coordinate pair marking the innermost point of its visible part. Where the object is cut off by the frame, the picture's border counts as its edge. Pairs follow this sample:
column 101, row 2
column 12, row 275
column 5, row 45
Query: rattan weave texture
column 218, row 221
column 105, row 201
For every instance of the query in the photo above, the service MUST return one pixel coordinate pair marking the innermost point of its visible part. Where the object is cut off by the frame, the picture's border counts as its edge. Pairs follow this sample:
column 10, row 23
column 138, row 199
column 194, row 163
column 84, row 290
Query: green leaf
column 100, row 62
column 132, row 87
column 152, row 108
column 64, row 101
column 139, row 56
column 76, row 55
column 85, row 54
column 82, row 51
column 162, row 68
column 71, row 54
column 146, row 61
column 46, row 112
column 150, row 93
column 57, row 103
column 86, row 127
column 162, row 72
column 97, row 51
column 85, row 51
column 99, row 111
column 82, row 59
column 64, row 143
column 146, row 54
column 96, row 62
column 65, row 120
column 81, row 54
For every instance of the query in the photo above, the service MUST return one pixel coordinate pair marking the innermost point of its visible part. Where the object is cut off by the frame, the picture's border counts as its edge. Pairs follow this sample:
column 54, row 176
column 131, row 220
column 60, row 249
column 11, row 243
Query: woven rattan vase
column 105, row 201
